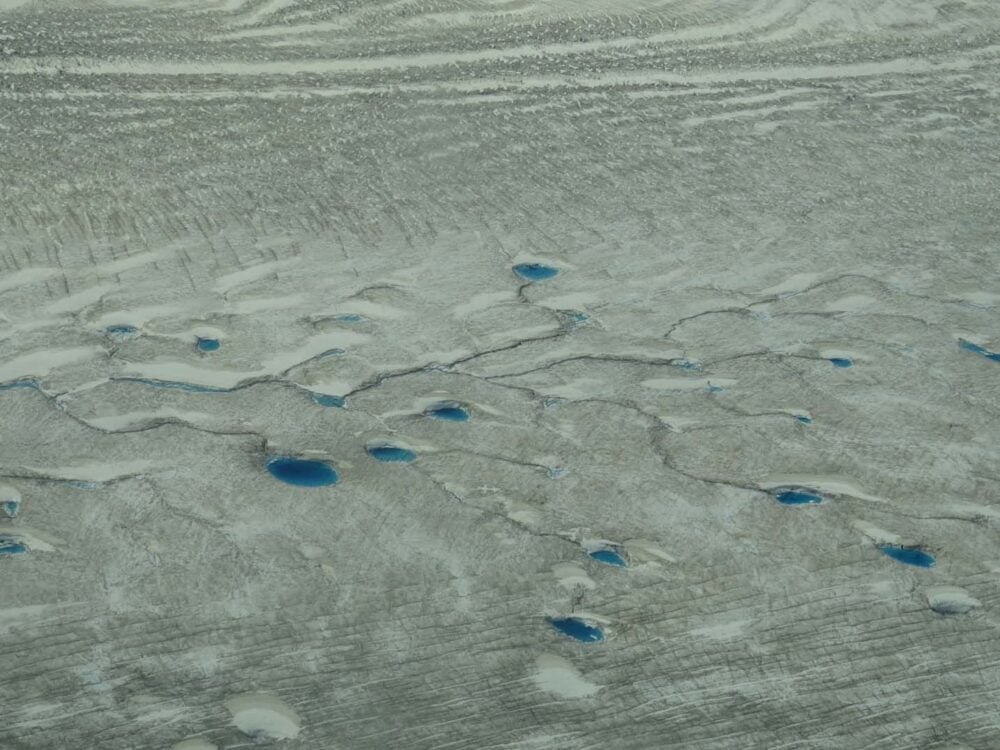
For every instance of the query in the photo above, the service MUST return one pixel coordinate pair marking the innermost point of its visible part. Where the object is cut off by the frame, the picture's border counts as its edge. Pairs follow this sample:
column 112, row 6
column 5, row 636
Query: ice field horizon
column 481, row 375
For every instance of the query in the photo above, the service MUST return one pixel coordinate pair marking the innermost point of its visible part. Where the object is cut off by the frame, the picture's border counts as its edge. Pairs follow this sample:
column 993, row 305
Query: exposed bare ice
column 499, row 375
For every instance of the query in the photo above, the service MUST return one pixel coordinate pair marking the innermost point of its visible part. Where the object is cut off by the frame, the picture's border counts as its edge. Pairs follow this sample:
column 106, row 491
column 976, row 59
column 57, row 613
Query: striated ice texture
column 638, row 359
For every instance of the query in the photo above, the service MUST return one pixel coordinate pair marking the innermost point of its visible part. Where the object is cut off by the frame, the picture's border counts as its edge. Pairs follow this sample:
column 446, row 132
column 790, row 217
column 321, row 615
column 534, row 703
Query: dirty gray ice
column 757, row 364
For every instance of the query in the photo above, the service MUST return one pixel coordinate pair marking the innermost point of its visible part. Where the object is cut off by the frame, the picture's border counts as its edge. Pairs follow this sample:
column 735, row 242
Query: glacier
column 467, row 375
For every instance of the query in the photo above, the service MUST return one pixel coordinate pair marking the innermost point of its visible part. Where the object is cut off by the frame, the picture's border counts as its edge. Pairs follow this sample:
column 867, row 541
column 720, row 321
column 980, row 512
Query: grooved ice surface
column 739, row 197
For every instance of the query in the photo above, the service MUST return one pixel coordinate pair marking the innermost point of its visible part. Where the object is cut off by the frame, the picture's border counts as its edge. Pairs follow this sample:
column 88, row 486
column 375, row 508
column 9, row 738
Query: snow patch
column 264, row 716
column 524, row 514
column 40, row 363
column 248, row 275
column 194, row 744
column 28, row 275
column 572, row 576
column 558, row 676
column 950, row 600
column 644, row 550
column 877, row 535
column 93, row 472
column 124, row 422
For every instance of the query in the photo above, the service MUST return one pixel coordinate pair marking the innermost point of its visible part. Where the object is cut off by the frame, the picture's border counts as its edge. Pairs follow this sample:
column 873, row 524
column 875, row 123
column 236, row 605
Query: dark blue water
column 449, row 411
column 122, row 332
column 577, row 629
column 208, row 345
column 535, row 271
column 324, row 399
column 688, row 364
column 302, row 472
column 391, row 453
column 176, row 385
column 349, row 318
column 909, row 555
column 10, row 508
column 841, row 362
column 790, row 496
column 804, row 419
column 609, row 557
column 10, row 546
column 980, row 350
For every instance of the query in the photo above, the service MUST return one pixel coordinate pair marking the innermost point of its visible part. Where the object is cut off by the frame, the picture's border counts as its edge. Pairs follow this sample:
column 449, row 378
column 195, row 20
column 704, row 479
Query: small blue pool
column 843, row 362
column 122, row 332
column 535, row 271
column 324, row 399
column 208, row 345
column 908, row 555
column 797, row 496
column 449, row 411
column 11, row 546
column 302, row 472
column 804, row 419
column 980, row 350
column 391, row 454
column 609, row 556
column 577, row 629
column 24, row 383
